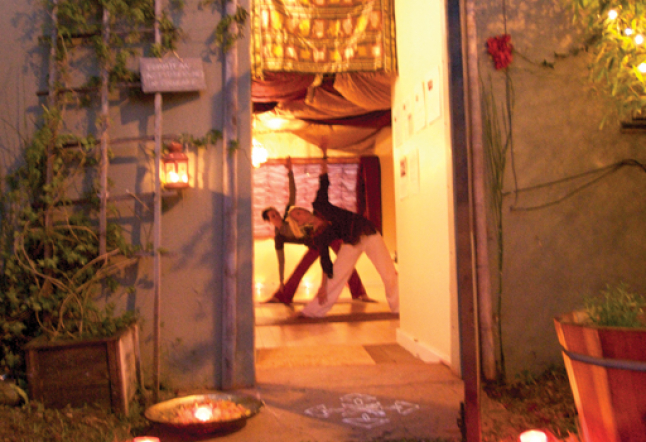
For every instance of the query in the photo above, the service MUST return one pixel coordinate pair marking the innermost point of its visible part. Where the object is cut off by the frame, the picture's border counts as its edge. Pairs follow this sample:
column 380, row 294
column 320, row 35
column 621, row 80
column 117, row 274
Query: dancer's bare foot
column 365, row 298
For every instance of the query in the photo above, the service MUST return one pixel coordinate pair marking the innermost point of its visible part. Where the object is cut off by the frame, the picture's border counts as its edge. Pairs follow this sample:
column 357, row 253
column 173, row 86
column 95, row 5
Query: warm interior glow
column 533, row 436
column 259, row 154
column 145, row 439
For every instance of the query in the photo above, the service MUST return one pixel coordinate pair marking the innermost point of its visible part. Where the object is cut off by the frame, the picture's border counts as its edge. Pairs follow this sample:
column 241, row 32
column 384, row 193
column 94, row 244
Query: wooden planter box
column 97, row 371
column 607, row 371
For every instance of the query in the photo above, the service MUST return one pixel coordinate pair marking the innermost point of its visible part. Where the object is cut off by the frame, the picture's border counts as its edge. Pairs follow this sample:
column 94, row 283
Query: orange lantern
column 175, row 167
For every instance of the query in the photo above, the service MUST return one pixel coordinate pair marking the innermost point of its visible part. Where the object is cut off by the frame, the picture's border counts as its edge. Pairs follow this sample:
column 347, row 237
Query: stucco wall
column 564, row 240
column 192, row 224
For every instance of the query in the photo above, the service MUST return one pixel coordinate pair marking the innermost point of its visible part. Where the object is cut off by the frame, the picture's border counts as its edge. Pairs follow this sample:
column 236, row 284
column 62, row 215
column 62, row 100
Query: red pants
column 287, row 295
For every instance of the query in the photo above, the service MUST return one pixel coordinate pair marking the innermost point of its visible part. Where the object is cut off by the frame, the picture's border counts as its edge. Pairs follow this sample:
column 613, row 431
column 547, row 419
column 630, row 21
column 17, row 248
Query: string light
column 628, row 31
column 639, row 39
column 642, row 68
column 612, row 14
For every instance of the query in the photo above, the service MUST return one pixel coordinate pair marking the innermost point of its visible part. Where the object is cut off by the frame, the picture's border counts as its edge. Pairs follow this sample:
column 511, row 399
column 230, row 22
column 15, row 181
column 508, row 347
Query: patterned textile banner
column 323, row 36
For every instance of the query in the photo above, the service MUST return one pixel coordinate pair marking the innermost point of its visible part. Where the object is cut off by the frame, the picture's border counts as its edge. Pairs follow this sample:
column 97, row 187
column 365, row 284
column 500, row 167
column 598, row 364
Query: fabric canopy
column 343, row 111
column 323, row 36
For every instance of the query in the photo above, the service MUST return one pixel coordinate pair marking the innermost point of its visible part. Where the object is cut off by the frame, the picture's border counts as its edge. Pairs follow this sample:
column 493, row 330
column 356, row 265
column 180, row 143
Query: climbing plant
column 615, row 31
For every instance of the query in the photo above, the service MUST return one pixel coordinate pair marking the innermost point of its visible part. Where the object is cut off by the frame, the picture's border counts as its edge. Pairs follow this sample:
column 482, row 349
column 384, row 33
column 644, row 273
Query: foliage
column 130, row 22
column 33, row 422
column 616, row 307
column 617, row 68
column 533, row 401
column 52, row 270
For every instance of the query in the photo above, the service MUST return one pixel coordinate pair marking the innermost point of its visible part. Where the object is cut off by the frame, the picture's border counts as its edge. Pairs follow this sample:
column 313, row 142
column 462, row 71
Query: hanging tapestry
column 323, row 36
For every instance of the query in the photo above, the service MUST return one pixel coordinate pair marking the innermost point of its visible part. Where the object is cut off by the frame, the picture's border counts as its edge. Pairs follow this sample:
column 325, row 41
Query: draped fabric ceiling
column 323, row 70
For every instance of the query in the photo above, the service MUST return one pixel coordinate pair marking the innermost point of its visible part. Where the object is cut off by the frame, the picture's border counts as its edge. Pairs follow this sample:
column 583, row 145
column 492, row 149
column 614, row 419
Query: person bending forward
column 358, row 235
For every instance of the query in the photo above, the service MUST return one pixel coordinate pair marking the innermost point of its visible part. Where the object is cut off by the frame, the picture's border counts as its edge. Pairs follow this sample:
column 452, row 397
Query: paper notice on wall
column 407, row 117
column 433, row 95
column 398, row 127
column 403, row 177
column 419, row 108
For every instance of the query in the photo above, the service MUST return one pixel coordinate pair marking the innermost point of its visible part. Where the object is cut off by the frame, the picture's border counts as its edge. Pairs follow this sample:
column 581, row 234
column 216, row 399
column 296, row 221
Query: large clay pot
column 607, row 371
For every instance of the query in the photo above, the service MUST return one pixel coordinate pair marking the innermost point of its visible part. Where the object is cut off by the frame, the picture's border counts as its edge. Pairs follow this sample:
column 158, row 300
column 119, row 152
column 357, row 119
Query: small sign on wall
column 433, row 95
column 171, row 74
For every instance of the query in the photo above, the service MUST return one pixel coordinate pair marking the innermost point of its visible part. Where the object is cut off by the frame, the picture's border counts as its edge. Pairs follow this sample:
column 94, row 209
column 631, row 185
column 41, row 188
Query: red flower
column 500, row 49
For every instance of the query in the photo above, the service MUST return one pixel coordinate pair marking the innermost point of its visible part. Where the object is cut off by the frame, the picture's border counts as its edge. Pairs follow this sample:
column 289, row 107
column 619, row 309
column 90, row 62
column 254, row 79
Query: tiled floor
column 339, row 332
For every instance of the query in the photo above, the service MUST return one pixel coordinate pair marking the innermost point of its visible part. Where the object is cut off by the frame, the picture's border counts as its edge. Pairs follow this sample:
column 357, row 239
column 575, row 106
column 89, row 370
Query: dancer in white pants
column 358, row 234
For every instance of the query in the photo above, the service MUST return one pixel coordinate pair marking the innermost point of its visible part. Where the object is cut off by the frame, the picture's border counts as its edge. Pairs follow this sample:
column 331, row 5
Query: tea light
column 146, row 439
column 203, row 413
column 533, row 436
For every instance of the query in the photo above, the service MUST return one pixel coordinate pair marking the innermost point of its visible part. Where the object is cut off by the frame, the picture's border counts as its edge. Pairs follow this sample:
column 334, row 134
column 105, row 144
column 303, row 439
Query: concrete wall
column 425, row 239
column 564, row 240
column 192, row 223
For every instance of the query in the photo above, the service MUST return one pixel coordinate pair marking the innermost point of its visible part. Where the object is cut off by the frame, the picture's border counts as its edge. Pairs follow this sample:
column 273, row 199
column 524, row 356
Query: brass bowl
column 160, row 413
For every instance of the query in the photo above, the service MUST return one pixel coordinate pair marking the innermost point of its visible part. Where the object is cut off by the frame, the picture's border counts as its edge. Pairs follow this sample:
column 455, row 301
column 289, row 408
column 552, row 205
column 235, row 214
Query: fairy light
column 628, row 31
column 639, row 39
column 642, row 68
column 612, row 14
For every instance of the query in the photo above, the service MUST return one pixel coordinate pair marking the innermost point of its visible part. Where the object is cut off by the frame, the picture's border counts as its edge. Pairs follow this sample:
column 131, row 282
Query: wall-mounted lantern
column 175, row 167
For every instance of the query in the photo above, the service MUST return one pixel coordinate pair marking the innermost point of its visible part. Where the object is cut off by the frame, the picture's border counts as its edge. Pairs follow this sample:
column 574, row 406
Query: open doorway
column 415, row 155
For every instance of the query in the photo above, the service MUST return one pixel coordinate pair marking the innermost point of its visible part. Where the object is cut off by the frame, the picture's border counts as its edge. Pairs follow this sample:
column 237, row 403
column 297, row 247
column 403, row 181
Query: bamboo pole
column 230, row 191
column 105, row 124
column 485, row 309
column 52, row 101
column 157, row 222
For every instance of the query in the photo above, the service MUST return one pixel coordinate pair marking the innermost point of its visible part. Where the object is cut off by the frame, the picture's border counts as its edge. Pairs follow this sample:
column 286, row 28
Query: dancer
column 358, row 234
column 283, row 234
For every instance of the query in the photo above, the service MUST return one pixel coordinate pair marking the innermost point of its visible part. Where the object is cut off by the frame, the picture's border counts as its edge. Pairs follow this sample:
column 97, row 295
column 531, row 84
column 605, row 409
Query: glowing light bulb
column 642, row 68
column 639, row 39
column 612, row 14
column 628, row 31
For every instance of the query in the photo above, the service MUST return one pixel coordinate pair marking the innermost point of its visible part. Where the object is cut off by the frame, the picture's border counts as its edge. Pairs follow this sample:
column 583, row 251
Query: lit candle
column 203, row 413
column 533, row 436
column 146, row 439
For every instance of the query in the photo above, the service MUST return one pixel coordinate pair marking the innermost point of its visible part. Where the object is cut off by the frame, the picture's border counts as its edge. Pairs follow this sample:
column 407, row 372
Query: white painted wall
column 424, row 213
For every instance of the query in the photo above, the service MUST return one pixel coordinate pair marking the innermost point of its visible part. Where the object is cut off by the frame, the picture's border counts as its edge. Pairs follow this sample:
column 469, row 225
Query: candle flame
column 203, row 413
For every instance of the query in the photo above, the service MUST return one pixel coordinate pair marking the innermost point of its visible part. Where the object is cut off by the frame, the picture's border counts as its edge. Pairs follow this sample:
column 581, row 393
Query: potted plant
column 604, row 349
column 56, row 336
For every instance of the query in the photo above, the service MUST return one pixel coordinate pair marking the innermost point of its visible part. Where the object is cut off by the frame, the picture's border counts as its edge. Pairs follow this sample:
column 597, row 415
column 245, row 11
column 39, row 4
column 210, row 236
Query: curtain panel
column 323, row 36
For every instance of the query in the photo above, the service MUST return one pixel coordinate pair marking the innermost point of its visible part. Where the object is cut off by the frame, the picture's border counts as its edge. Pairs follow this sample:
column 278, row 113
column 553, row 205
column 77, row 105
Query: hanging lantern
column 258, row 154
column 175, row 167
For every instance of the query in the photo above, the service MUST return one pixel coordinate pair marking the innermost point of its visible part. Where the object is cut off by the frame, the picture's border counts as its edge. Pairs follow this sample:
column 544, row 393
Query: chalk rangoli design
column 362, row 410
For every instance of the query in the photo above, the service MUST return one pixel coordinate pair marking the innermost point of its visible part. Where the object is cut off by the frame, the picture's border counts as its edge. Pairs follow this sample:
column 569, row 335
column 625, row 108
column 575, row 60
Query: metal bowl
column 160, row 413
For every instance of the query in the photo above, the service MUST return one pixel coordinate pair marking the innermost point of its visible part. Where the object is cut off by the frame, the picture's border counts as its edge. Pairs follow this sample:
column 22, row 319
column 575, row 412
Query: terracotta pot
column 607, row 371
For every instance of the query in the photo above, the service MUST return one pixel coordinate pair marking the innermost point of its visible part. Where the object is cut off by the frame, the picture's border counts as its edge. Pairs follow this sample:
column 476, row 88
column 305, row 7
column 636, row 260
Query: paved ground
column 395, row 397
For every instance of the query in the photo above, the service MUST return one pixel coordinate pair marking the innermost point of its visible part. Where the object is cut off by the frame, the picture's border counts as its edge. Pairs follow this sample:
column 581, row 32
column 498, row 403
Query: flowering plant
column 500, row 49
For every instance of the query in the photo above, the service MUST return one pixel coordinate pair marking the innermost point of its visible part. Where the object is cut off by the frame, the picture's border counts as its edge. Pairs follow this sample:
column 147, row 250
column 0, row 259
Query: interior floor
column 349, row 323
